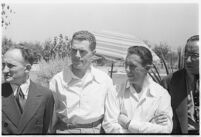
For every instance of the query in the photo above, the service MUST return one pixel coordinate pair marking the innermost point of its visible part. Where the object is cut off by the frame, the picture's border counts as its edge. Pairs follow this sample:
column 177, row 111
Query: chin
column 133, row 81
column 193, row 71
column 9, row 79
column 77, row 66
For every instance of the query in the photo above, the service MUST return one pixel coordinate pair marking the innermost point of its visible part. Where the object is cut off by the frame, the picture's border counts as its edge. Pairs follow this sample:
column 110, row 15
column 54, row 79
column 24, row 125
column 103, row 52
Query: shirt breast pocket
column 149, row 109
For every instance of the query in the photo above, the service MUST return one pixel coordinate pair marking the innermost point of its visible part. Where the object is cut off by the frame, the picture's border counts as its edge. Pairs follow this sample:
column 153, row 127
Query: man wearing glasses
column 139, row 105
column 183, row 87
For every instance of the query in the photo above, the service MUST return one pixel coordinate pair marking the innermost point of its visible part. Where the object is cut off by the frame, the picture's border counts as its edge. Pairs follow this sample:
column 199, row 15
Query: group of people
column 82, row 99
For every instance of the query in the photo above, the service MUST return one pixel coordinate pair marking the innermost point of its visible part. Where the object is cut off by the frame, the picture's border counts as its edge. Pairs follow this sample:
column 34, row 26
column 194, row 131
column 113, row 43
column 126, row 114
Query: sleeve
column 48, row 114
column 112, row 111
column 52, row 87
column 147, row 127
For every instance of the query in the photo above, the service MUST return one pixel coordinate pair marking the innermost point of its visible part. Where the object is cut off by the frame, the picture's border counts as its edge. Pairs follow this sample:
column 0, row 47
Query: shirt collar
column 24, row 87
column 147, row 85
column 91, row 74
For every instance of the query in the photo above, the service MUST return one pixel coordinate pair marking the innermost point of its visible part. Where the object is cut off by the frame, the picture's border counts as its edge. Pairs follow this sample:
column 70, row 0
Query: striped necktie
column 20, row 98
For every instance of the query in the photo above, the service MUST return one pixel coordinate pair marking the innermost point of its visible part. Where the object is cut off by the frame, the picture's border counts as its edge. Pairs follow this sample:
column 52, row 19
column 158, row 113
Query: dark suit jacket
column 176, row 85
column 37, row 114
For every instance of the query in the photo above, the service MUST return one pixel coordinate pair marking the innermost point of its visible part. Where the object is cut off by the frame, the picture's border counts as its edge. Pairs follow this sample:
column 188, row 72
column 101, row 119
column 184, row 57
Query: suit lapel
column 180, row 94
column 11, row 109
column 9, row 104
column 31, row 106
column 181, row 112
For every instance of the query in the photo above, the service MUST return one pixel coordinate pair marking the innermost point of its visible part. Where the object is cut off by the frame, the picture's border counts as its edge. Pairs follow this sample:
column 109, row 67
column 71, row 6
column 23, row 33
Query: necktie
column 196, row 100
column 20, row 98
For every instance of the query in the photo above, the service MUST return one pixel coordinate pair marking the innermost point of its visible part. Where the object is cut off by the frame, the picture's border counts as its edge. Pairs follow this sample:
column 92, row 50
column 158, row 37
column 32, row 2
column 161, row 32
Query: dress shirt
column 24, row 87
column 80, row 101
column 140, row 108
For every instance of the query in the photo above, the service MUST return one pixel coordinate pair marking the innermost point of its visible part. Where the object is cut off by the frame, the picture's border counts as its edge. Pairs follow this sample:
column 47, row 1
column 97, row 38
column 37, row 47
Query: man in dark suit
column 183, row 86
column 26, row 106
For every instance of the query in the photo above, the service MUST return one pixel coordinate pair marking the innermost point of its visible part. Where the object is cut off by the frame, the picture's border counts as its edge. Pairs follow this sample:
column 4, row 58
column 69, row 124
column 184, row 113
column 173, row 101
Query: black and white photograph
column 100, row 68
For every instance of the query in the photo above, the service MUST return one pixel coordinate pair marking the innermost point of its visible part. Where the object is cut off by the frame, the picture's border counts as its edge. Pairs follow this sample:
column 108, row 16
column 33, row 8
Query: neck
column 20, row 82
column 191, row 76
column 79, row 72
column 137, row 87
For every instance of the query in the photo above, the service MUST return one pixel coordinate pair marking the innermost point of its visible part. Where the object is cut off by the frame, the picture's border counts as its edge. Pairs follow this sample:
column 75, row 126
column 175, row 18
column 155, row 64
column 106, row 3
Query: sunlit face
column 191, row 57
column 81, row 54
column 14, row 67
column 135, row 71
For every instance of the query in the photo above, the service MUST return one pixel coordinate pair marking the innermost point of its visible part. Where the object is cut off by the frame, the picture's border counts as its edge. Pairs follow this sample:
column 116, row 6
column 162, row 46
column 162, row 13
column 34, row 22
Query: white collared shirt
column 24, row 87
column 153, row 101
column 80, row 101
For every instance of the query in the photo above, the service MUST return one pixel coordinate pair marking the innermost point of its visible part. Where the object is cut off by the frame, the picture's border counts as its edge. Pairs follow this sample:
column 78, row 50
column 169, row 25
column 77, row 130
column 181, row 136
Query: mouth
column 189, row 66
column 131, row 77
column 7, row 76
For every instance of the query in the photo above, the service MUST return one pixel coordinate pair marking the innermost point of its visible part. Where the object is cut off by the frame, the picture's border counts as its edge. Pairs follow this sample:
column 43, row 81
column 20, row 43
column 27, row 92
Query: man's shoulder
column 43, row 90
column 172, row 77
column 174, row 74
column 158, row 89
column 57, row 76
column 100, row 75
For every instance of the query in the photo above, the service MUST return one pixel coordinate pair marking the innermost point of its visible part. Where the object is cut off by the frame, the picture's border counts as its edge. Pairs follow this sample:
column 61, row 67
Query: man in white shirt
column 139, row 105
column 80, row 90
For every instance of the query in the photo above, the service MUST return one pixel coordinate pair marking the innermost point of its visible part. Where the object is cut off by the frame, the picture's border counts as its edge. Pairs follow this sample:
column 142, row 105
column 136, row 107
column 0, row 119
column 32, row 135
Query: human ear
column 93, row 52
column 28, row 68
column 149, row 66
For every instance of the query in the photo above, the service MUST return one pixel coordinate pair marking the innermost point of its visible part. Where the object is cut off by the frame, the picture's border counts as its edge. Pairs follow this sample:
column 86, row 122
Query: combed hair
column 193, row 38
column 85, row 35
column 27, row 53
column 143, row 53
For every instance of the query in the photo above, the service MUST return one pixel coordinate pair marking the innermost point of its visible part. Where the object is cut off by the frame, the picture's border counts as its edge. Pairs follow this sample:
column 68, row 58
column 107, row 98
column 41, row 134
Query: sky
column 171, row 23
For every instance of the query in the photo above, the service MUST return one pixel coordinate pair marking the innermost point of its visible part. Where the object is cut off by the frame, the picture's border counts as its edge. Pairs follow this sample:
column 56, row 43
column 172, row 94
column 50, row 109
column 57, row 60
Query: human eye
column 10, row 65
column 73, row 50
column 196, row 55
column 132, row 67
column 82, row 52
column 3, row 65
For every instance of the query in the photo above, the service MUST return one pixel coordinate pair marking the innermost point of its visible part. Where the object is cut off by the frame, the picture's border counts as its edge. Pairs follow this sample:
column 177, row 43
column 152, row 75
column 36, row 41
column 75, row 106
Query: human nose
column 5, row 69
column 127, row 69
column 78, row 54
column 189, row 59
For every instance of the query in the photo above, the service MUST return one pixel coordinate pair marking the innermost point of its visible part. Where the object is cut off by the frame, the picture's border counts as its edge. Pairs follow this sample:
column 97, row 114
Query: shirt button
column 5, row 124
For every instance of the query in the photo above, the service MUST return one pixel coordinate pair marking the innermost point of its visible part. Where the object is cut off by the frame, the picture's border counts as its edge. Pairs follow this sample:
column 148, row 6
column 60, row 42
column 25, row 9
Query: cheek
column 18, row 71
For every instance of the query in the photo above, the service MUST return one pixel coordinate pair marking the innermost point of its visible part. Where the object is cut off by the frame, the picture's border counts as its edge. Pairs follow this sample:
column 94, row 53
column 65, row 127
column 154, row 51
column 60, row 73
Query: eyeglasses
column 194, row 57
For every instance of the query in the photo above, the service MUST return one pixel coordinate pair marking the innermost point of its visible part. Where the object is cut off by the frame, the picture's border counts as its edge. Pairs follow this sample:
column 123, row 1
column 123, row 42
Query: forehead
column 13, row 56
column 83, row 45
column 192, row 47
column 133, row 59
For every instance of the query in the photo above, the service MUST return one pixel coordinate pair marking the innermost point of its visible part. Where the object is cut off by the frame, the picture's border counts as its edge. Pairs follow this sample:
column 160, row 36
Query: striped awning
column 114, row 45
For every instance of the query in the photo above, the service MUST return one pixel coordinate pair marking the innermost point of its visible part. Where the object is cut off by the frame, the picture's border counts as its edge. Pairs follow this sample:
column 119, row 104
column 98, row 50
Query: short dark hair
column 27, row 53
column 193, row 38
column 143, row 53
column 85, row 35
